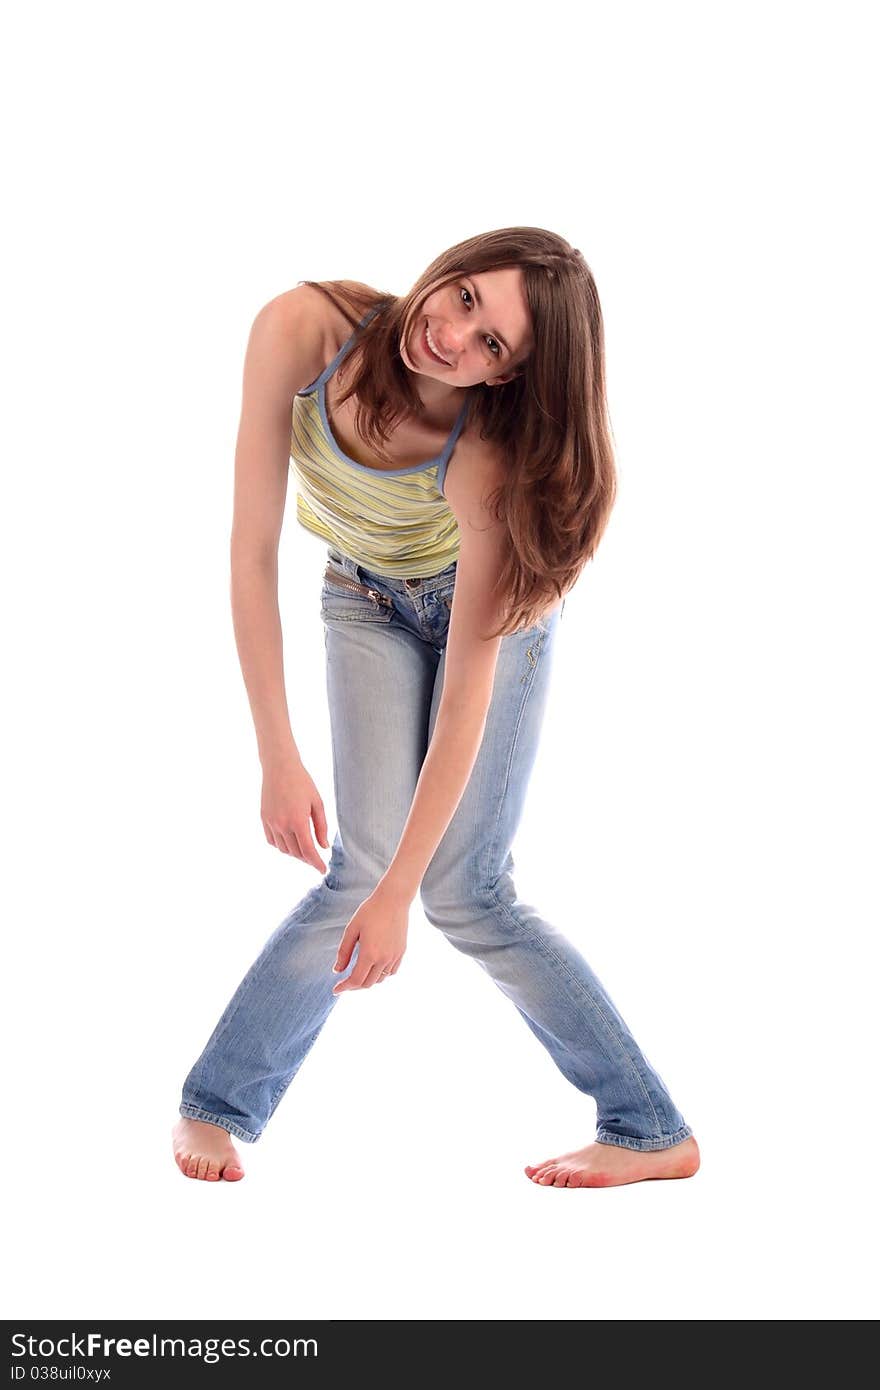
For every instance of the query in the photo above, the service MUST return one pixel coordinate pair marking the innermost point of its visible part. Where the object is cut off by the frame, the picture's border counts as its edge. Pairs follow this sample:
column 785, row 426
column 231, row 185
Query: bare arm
column 471, row 658
column 284, row 353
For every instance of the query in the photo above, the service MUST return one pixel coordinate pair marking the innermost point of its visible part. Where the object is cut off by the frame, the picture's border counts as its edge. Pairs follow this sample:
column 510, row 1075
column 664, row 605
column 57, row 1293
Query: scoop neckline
column 388, row 472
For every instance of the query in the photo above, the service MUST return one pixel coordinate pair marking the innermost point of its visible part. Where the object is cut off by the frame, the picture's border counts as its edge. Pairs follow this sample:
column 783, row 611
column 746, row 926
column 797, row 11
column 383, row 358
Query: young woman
column 452, row 449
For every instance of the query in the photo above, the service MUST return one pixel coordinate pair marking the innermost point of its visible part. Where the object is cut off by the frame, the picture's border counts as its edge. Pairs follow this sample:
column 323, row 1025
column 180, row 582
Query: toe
column 561, row 1179
column 192, row 1167
column 546, row 1178
column 213, row 1173
column 232, row 1172
column 202, row 1168
column 537, row 1173
column 574, row 1179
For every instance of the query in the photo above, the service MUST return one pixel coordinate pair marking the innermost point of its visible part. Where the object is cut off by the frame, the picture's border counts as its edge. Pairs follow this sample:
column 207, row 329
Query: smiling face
column 480, row 324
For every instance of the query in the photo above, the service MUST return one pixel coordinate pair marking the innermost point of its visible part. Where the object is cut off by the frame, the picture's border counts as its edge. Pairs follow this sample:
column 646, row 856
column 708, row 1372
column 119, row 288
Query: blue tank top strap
column 450, row 445
column 331, row 366
column 456, row 431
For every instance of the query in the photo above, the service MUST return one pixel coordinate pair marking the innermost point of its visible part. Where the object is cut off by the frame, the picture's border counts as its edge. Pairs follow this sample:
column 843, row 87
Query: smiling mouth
column 426, row 346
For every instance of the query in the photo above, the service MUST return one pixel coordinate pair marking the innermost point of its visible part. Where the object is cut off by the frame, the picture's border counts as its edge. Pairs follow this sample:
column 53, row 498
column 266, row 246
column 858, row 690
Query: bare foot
column 609, row 1165
column 205, row 1151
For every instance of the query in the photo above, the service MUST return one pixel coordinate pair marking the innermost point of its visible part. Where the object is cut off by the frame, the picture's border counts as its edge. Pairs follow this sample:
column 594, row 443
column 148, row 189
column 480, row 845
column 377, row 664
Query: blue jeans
column 385, row 654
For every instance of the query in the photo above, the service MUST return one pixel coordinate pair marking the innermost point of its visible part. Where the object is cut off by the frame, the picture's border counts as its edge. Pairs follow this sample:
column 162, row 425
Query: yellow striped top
column 392, row 521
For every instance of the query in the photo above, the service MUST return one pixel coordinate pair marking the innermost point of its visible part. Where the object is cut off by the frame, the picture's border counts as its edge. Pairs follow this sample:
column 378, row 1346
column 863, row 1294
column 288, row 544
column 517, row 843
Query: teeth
column 432, row 345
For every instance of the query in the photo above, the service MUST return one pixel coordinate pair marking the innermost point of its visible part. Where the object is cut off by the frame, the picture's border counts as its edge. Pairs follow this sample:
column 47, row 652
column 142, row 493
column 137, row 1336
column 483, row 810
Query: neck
column 438, row 399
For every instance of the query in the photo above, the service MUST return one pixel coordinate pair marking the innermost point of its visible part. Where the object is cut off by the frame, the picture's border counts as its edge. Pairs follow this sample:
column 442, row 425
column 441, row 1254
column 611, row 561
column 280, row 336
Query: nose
column 452, row 340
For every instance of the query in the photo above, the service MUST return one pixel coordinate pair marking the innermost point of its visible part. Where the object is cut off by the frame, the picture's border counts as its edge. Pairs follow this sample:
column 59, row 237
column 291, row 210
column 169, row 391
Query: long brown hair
column 550, row 423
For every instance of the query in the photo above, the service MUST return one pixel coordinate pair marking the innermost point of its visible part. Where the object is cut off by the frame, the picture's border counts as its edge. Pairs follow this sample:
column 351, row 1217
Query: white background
column 703, row 813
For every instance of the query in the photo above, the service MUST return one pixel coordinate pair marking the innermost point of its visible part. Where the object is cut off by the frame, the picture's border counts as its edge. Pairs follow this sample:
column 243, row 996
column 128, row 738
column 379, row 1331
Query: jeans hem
column 625, row 1141
column 194, row 1112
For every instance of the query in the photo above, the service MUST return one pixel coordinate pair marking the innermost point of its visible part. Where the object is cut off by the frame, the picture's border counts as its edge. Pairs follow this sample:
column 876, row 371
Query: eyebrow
column 479, row 306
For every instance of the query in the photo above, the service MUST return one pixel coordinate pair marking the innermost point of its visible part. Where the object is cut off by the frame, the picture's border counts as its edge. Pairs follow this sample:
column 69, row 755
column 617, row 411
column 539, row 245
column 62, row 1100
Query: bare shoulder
column 303, row 328
column 294, row 331
column 337, row 327
column 475, row 469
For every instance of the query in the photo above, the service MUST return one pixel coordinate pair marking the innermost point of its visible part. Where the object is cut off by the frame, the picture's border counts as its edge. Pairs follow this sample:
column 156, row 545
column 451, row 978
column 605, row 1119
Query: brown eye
column 463, row 289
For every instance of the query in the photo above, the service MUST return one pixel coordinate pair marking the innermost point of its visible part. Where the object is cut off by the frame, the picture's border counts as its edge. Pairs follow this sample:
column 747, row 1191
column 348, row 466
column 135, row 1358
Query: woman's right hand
column 290, row 802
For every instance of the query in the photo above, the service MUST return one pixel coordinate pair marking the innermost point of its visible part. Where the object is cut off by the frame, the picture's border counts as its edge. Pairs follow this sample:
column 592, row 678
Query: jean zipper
column 343, row 579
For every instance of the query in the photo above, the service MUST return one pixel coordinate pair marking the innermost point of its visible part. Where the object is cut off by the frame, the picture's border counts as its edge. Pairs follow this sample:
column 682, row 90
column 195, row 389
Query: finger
column 307, row 845
column 375, row 977
column 354, row 981
column 275, row 837
column 298, row 844
column 320, row 823
column 346, row 946
column 287, row 842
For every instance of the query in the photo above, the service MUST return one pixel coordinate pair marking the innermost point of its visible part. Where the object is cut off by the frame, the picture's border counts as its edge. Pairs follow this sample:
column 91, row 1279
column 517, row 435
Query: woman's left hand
column 379, row 926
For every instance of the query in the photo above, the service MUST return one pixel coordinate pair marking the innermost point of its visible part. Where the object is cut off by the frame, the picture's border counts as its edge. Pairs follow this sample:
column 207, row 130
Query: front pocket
column 347, row 600
column 445, row 590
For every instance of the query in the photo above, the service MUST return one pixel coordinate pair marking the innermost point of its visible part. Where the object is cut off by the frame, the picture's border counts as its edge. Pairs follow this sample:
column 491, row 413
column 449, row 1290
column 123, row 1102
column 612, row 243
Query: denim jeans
column 385, row 653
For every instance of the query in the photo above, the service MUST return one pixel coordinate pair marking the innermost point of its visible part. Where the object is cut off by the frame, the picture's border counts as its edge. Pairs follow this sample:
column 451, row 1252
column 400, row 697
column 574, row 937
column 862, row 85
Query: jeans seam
column 279, row 1094
column 529, row 682
column 596, row 1008
column 383, row 619
column 235, row 1002
column 625, row 1141
column 211, row 1118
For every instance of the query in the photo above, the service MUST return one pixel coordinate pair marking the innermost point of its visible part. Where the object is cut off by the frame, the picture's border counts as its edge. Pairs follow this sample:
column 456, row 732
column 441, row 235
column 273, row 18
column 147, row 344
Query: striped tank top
column 392, row 521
